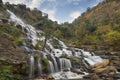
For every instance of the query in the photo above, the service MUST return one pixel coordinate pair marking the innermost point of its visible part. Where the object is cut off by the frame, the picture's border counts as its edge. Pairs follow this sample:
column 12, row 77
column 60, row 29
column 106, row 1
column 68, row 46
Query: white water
column 65, row 64
column 67, row 75
column 55, row 64
column 39, row 66
column 31, row 35
column 61, row 43
column 91, row 59
column 31, row 71
column 51, row 67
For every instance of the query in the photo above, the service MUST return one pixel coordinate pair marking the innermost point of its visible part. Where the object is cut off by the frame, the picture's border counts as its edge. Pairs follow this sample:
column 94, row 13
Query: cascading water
column 31, row 39
column 51, row 67
column 39, row 66
column 92, row 60
column 64, row 63
column 61, row 43
column 55, row 64
column 31, row 71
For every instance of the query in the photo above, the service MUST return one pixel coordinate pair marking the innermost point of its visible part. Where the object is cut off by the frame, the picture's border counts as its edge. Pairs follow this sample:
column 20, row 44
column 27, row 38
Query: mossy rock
column 13, row 71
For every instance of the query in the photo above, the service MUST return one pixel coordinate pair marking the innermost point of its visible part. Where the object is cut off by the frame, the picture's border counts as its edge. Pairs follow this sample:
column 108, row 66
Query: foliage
column 12, row 33
column 39, row 45
column 112, row 39
column 89, row 39
column 45, row 64
column 11, row 30
column 3, row 13
column 19, row 41
column 5, row 73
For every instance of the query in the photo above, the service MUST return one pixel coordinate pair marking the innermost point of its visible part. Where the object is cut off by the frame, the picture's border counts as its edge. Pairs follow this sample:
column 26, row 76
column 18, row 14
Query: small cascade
column 91, row 58
column 39, row 67
column 31, row 63
column 51, row 67
column 61, row 43
column 55, row 64
column 50, row 45
column 65, row 64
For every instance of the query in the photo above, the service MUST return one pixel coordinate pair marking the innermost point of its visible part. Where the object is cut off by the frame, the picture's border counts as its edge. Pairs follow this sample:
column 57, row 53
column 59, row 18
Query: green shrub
column 19, row 42
column 5, row 73
column 112, row 39
column 11, row 30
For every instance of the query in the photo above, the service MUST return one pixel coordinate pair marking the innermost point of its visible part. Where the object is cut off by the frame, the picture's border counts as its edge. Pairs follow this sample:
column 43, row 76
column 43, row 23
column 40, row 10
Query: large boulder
column 103, row 67
column 106, row 69
column 101, row 64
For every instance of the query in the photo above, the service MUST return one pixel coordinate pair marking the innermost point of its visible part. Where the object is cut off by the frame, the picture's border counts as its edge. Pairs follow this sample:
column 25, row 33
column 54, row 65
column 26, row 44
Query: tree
column 47, row 34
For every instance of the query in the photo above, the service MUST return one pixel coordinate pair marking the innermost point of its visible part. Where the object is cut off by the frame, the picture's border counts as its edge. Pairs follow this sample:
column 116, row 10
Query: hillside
column 98, row 26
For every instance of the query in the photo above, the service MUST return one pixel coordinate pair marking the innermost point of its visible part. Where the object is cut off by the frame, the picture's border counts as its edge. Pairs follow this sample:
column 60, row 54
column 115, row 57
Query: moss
column 75, row 59
column 11, row 30
column 24, row 68
column 6, row 73
column 45, row 62
column 39, row 45
column 18, row 42
column 13, row 71
column 45, row 65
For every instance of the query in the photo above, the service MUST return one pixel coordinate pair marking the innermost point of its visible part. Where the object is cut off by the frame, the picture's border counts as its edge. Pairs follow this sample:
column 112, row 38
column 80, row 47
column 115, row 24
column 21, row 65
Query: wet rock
column 4, row 20
column 88, row 76
column 78, row 71
column 95, row 77
column 50, row 77
column 99, row 65
column 117, row 76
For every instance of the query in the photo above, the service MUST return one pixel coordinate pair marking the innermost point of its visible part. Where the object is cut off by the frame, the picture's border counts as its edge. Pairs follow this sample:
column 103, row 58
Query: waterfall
column 31, row 63
column 31, row 39
column 51, row 67
column 65, row 64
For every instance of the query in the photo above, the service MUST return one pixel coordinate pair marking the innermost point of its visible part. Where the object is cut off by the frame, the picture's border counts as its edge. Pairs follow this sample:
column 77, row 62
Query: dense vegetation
column 99, row 25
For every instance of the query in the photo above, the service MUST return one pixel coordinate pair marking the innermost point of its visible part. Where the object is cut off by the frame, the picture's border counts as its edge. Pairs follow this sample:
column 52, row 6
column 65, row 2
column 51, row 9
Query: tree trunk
column 44, row 44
